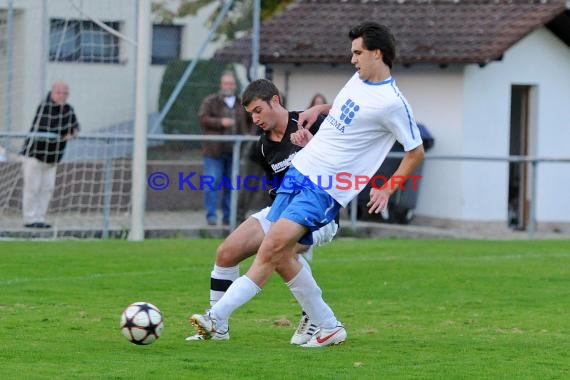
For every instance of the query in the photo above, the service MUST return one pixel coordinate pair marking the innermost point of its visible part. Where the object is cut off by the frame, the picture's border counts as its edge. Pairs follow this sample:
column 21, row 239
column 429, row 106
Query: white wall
column 102, row 94
column 17, row 92
column 436, row 97
column 301, row 83
column 486, row 124
column 194, row 33
column 540, row 60
column 25, row 86
column 553, row 124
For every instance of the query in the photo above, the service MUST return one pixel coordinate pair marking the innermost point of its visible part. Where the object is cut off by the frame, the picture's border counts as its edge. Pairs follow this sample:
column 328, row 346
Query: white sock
column 308, row 254
column 309, row 295
column 241, row 291
column 304, row 262
column 220, row 280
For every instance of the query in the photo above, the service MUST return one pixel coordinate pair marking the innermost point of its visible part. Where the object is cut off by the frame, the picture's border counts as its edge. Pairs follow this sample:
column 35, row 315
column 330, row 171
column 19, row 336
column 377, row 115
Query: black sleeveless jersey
column 275, row 156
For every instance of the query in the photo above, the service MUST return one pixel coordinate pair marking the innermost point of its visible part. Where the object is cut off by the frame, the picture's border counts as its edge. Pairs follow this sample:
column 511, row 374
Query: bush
column 205, row 79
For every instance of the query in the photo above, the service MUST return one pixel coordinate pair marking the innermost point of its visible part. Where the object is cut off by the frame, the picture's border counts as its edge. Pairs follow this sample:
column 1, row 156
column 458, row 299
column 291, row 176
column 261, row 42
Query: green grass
column 414, row 309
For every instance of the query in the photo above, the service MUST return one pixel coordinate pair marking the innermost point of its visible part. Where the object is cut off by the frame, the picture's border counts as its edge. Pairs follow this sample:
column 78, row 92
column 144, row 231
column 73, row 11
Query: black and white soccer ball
column 142, row 323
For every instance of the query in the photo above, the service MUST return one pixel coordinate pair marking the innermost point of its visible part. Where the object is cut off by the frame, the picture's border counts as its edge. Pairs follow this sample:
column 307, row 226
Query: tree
column 237, row 20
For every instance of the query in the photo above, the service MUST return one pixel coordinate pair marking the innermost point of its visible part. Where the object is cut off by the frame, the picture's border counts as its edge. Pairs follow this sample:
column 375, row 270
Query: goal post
column 140, row 139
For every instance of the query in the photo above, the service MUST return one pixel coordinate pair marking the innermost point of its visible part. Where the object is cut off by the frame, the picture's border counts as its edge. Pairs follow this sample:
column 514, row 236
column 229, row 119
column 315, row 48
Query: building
column 44, row 41
column 488, row 78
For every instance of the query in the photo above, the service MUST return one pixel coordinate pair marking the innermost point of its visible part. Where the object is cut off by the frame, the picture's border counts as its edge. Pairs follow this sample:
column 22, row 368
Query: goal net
column 88, row 45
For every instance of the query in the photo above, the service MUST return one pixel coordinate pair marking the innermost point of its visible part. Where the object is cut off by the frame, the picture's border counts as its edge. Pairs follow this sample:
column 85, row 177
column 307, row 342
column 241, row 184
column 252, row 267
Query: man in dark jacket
column 54, row 124
column 220, row 114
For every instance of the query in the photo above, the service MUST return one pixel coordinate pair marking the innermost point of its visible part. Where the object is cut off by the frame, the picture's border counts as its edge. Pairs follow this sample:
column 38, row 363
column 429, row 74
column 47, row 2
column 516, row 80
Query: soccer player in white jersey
column 368, row 115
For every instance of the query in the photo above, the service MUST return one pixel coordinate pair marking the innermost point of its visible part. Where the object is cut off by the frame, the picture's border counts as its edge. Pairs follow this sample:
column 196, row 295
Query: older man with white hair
column 54, row 124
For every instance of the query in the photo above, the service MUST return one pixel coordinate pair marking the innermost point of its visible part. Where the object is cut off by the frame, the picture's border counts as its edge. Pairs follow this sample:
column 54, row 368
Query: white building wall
column 102, row 94
column 436, row 97
column 194, row 33
column 25, row 87
column 486, row 124
column 300, row 83
column 17, row 95
column 552, row 124
column 540, row 60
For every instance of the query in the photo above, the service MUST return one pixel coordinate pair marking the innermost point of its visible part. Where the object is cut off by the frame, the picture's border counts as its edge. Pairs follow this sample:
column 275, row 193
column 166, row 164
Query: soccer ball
column 141, row 323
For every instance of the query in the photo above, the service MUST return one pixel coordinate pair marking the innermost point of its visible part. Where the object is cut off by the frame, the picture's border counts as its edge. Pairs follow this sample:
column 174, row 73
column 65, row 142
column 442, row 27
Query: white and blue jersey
column 365, row 120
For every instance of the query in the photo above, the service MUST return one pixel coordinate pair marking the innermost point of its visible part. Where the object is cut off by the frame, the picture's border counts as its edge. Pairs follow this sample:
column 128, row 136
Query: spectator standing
column 54, row 125
column 220, row 114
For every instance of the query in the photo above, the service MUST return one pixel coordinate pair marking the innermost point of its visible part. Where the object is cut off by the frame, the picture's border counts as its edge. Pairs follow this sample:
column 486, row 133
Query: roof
column 433, row 31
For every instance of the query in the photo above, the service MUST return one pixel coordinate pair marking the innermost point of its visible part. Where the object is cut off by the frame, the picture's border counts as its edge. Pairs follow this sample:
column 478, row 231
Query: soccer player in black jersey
column 274, row 151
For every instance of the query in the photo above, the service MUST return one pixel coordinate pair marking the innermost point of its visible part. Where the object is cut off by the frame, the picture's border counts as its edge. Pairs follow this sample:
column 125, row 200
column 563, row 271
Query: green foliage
column 205, row 80
column 414, row 309
column 270, row 7
column 237, row 20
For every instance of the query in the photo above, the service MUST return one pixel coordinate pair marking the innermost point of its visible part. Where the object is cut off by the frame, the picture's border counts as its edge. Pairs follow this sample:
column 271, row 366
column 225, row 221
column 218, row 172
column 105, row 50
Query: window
column 165, row 43
column 82, row 41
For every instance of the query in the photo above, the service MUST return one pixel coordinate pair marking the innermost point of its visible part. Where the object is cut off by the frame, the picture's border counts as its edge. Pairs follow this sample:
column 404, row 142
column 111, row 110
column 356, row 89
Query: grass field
column 414, row 309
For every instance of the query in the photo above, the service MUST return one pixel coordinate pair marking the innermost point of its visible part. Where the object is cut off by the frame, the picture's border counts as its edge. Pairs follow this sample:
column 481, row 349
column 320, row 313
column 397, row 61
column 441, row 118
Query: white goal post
column 140, row 141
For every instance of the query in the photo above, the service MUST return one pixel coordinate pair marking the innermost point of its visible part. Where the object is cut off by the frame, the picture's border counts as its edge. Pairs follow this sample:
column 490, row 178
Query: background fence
column 94, row 195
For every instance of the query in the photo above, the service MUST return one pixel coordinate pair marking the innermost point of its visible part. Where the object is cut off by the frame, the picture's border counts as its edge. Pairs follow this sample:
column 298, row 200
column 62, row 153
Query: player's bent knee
column 225, row 256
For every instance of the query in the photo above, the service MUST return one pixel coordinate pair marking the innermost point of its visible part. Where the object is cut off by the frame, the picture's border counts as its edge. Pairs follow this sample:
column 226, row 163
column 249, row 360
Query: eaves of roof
column 427, row 31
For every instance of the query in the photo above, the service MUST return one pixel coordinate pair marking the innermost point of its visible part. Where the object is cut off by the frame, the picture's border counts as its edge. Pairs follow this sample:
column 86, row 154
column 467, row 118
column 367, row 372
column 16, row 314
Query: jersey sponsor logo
column 335, row 123
column 349, row 110
column 281, row 165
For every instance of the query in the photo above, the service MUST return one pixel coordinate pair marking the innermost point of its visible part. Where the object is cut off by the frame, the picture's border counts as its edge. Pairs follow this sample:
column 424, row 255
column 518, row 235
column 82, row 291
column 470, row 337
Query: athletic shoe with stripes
column 216, row 336
column 304, row 331
column 327, row 337
column 209, row 328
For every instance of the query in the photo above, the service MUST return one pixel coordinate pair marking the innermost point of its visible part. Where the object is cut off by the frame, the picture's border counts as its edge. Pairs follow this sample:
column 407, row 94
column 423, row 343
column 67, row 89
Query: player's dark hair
column 376, row 36
column 259, row 89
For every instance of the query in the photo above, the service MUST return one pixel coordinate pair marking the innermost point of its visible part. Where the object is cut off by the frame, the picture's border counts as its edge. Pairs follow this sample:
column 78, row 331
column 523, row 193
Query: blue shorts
column 303, row 202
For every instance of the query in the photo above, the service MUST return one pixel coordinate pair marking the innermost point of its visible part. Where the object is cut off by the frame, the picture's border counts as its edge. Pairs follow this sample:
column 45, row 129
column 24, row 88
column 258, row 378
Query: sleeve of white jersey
column 400, row 121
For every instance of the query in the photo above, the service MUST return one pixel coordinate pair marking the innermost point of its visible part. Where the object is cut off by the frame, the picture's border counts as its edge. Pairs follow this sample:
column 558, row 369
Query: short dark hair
column 376, row 36
column 262, row 89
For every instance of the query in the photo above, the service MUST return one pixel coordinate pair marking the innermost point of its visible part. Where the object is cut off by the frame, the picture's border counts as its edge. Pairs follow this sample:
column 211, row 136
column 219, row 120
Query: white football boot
column 208, row 328
column 327, row 337
column 304, row 331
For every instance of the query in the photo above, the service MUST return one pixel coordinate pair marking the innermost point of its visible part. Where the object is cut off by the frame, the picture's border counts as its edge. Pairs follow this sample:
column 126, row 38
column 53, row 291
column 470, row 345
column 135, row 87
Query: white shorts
column 321, row 236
